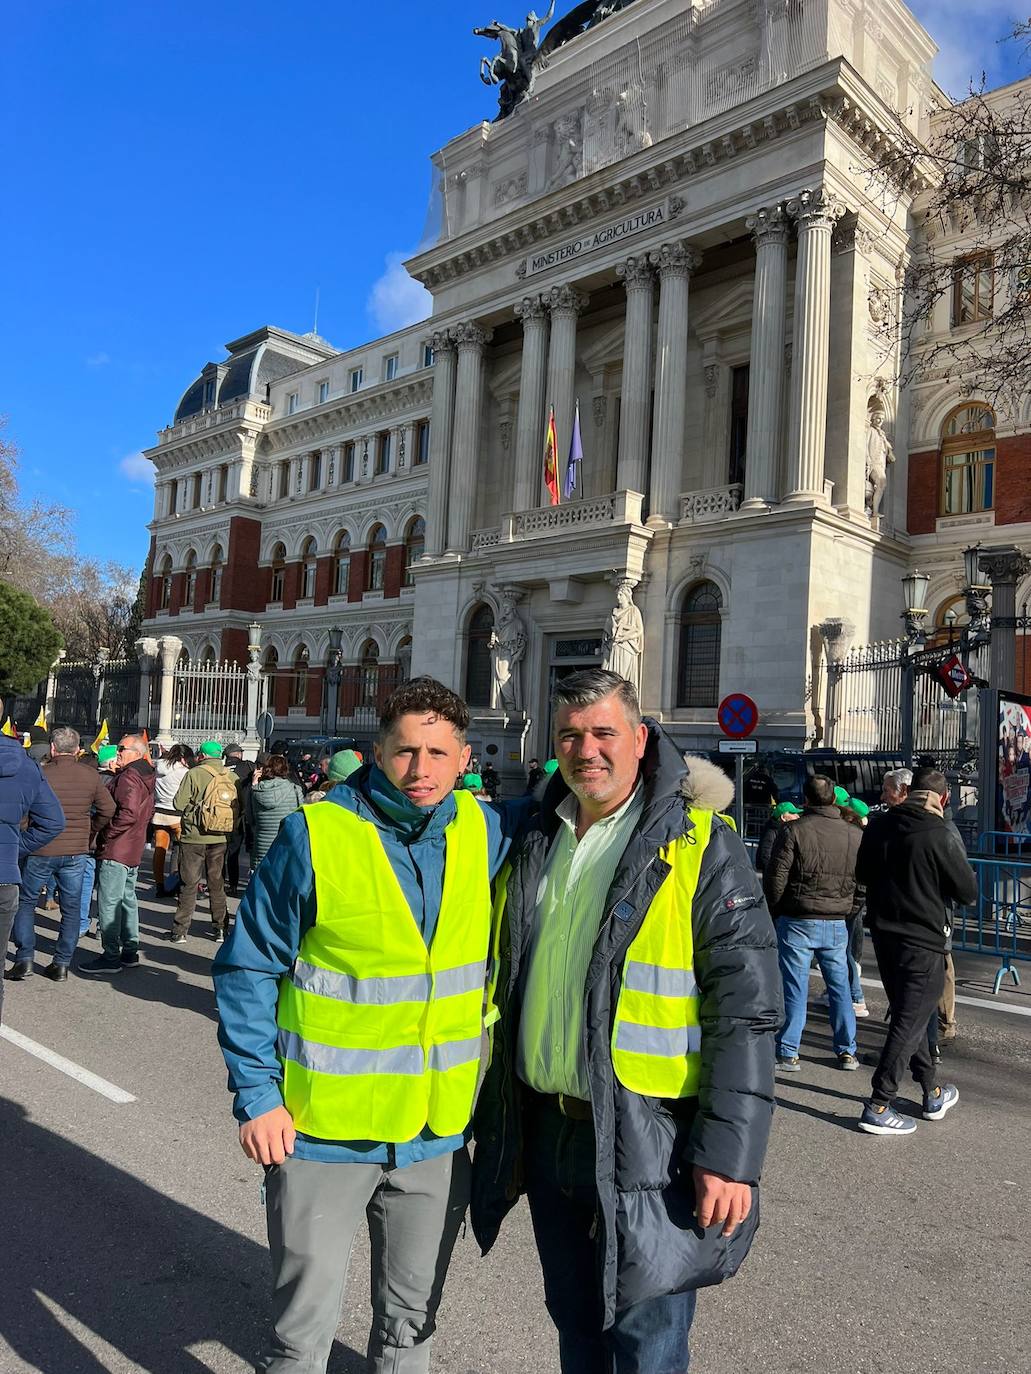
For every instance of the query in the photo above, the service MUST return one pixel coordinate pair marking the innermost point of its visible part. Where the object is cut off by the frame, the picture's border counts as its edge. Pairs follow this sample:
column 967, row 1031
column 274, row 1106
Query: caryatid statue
column 623, row 641
column 879, row 453
column 508, row 649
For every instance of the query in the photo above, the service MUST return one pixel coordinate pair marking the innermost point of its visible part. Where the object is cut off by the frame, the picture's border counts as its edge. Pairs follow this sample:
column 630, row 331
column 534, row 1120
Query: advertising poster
column 1013, row 789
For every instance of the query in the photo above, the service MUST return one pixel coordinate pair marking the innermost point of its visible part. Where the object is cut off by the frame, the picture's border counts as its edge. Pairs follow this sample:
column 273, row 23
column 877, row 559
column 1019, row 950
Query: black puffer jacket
column 812, row 870
column 646, row 1147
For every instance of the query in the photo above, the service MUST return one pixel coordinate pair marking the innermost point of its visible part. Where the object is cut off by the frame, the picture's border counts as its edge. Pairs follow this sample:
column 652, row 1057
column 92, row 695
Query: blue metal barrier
column 991, row 842
column 1000, row 921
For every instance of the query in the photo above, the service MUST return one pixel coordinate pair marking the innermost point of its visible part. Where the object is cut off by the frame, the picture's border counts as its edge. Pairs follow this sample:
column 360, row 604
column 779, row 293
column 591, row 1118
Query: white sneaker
column 860, row 1009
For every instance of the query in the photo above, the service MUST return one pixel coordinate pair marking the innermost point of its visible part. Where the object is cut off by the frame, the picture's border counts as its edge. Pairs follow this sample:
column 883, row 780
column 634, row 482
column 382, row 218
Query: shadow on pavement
column 147, row 1275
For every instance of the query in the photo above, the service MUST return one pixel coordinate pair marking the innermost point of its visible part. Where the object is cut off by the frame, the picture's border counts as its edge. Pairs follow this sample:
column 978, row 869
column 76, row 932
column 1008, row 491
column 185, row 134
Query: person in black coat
column 914, row 867
column 637, row 1198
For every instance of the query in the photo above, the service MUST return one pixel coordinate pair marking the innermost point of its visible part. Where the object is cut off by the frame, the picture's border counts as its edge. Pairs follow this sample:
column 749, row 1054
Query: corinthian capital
column 441, row 341
column 170, row 648
column 1005, row 564
column 676, row 259
column 531, row 309
column 816, row 208
column 566, row 300
column 471, row 337
column 638, row 274
column 769, row 224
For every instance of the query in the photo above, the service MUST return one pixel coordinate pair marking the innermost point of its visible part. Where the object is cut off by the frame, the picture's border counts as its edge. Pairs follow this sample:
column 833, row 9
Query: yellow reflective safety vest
column 379, row 1036
column 656, row 1038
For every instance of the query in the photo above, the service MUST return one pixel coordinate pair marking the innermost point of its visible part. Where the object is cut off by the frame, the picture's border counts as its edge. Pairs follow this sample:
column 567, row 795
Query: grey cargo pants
column 314, row 1211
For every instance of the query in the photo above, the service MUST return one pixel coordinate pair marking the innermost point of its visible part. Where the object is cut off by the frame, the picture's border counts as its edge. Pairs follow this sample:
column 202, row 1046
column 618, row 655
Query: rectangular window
column 315, row 471
column 284, row 481
column 195, row 501
column 738, row 424
column 223, row 483
column 427, row 355
column 422, row 443
column 973, row 289
column 209, row 395
column 357, row 377
column 383, row 454
column 968, row 482
column 348, row 473
column 323, row 393
column 292, row 402
column 390, row 367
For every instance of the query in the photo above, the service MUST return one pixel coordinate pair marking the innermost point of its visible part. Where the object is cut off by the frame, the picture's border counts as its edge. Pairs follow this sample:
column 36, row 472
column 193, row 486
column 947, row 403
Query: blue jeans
column 66, row 872
column 798, row 941
column 647, row 1338
column 117, row 912
column 88, row 879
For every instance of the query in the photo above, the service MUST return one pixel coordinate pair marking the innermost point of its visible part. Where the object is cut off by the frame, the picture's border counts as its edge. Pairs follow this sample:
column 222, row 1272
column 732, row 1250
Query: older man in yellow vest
column 353, row 998
column 631, row 1086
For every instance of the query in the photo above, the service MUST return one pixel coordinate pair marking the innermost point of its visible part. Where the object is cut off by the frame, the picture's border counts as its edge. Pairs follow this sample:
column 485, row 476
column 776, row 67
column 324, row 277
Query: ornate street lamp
column 334, row 672
column 254, row 638
column 914, row 589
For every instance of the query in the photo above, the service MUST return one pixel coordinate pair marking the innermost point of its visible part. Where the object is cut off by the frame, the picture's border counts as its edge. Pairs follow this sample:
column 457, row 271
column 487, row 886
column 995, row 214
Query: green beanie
column 211, row 749
column 550, row 767
column 841, row 797
column 786, row 809
column 342, row 765
column 472, row 782
column 106, row 753
column 859, row 807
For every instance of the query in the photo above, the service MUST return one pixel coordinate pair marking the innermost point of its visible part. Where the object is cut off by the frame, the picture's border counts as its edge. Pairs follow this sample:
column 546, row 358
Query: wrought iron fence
column 120, row 696
column 210, row 702
column 75, row 698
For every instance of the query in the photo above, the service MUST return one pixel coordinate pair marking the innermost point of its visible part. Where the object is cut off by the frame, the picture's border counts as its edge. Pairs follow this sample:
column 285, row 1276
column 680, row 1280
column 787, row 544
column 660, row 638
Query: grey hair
column 65, row 740
column 592, row 685
column 899, row 777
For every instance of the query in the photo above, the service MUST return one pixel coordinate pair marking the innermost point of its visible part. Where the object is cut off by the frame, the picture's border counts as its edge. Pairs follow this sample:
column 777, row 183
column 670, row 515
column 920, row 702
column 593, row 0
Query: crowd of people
column 585, row 981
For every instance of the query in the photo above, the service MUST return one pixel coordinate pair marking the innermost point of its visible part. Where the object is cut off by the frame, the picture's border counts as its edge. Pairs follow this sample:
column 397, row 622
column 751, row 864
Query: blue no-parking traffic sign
column 738, row 716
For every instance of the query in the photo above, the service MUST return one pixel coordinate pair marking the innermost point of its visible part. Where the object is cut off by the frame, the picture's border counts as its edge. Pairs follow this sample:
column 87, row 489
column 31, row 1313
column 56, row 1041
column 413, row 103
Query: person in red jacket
column 119, row 851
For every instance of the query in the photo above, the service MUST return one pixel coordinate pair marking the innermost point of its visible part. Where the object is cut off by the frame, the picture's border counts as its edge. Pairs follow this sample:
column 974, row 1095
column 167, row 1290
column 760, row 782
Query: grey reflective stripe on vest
column 664, row 1044
column 660, row 982
column 386, row 992
column 405, row 1060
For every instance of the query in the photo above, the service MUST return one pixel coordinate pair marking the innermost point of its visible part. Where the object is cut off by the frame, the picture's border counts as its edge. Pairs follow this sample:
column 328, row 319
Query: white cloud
column 968, row 40
column 98, row 360
column 396, row 299
column 138, row 469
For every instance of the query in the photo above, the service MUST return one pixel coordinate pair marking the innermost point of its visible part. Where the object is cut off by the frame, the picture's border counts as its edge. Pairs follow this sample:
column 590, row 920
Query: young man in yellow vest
column 631, row 1087
column 352, row 998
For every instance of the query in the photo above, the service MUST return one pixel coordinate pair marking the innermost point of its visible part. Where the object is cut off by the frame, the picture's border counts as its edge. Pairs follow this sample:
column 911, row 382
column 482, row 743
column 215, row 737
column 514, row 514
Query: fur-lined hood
column 706, row 786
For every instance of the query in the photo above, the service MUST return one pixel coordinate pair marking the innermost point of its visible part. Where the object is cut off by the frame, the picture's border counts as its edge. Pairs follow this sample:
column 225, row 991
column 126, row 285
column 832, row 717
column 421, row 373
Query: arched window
column 309, row 567
column 270, row 662
column 209, row 658
column 370, row 673
column 165, row 583
column 299, row 681
column 950, row 619
column 415, row 543
column 698, row 672
column 278, row 573
column 341, row 563
column 377, row 559
column 404, row 659
column 968, row 460
column 215, row 587
column 190, row 581
column 477, row 669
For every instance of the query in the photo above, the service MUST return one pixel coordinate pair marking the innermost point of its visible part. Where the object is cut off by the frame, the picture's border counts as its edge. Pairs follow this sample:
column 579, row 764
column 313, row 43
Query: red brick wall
column 1013, row 480
column 200, row 599
column 234, row 646
column 356, row 575
column 178, row 580
column 291, row 586
column 323, row 581
column 245, row 586
column 922, row 496
column 315, row 685
column 394, row 570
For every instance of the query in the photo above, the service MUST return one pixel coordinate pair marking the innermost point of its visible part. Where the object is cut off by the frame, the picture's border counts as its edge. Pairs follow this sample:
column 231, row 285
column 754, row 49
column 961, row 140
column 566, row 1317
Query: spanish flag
column 101, row 737
column 40, row 723
column 8, row 729
column 551, row 460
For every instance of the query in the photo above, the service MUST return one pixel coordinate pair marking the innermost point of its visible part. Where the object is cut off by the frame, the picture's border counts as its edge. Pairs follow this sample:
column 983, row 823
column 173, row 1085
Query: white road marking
column 983, row 1002
column 58, row 1061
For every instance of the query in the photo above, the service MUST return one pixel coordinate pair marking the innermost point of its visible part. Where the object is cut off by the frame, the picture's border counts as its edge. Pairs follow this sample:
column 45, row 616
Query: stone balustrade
column 714, row 503
column 596, row 513
column 214, row 419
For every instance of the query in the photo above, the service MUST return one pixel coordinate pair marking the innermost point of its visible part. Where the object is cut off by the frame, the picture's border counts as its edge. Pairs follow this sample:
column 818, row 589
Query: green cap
column 550, row 767
column 211, row 749
column 786, row 809
column 342, row 765
column 472, row 782
column 106, row 753
column 841, row 797
column 859, row 807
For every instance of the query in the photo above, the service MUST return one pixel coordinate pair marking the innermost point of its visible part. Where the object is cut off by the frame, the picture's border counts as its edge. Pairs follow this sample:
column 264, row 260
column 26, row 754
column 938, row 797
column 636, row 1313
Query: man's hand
column 268, row 1139
column 719, row 1201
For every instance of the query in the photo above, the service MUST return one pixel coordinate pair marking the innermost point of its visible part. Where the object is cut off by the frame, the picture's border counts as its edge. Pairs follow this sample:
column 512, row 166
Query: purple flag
column 576, row 457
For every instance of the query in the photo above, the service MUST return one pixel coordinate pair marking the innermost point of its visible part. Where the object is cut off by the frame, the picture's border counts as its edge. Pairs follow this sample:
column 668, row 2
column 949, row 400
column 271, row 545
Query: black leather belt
column 575, row 1108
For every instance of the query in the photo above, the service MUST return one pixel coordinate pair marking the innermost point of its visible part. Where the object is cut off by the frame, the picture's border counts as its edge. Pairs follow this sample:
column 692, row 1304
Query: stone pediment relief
column 729, row 313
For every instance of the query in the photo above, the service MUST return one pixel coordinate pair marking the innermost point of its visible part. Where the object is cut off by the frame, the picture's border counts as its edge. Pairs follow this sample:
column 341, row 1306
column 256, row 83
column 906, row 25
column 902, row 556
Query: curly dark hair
column 424, row 696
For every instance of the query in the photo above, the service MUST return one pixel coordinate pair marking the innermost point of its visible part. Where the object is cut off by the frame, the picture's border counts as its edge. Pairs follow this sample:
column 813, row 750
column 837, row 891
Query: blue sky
column 178, row 174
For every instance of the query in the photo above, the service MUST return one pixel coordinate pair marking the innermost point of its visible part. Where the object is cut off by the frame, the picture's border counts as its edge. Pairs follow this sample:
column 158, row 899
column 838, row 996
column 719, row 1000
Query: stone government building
column 676, row 231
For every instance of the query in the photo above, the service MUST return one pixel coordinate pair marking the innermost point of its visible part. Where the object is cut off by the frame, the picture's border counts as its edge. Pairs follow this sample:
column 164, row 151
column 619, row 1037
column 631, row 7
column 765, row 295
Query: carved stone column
column 471, row 340
column 147, row 653
column 531, row 422
column 169, row 648
column 675, row 263
column 635, row 405
column 445, row 366
column 815, row 212
column 769, row 227
column 566, row 303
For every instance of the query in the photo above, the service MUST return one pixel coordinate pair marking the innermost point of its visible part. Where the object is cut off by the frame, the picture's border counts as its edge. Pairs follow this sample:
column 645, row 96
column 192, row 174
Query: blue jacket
column 279, row 908
column 24, row 793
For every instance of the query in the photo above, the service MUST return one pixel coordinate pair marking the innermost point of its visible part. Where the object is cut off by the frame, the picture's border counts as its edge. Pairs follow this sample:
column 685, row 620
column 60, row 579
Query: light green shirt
column 570, row 908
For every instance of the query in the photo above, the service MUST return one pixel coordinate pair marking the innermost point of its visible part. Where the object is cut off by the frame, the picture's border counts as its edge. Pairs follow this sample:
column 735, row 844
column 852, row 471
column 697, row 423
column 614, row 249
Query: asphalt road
column 133, row 1233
